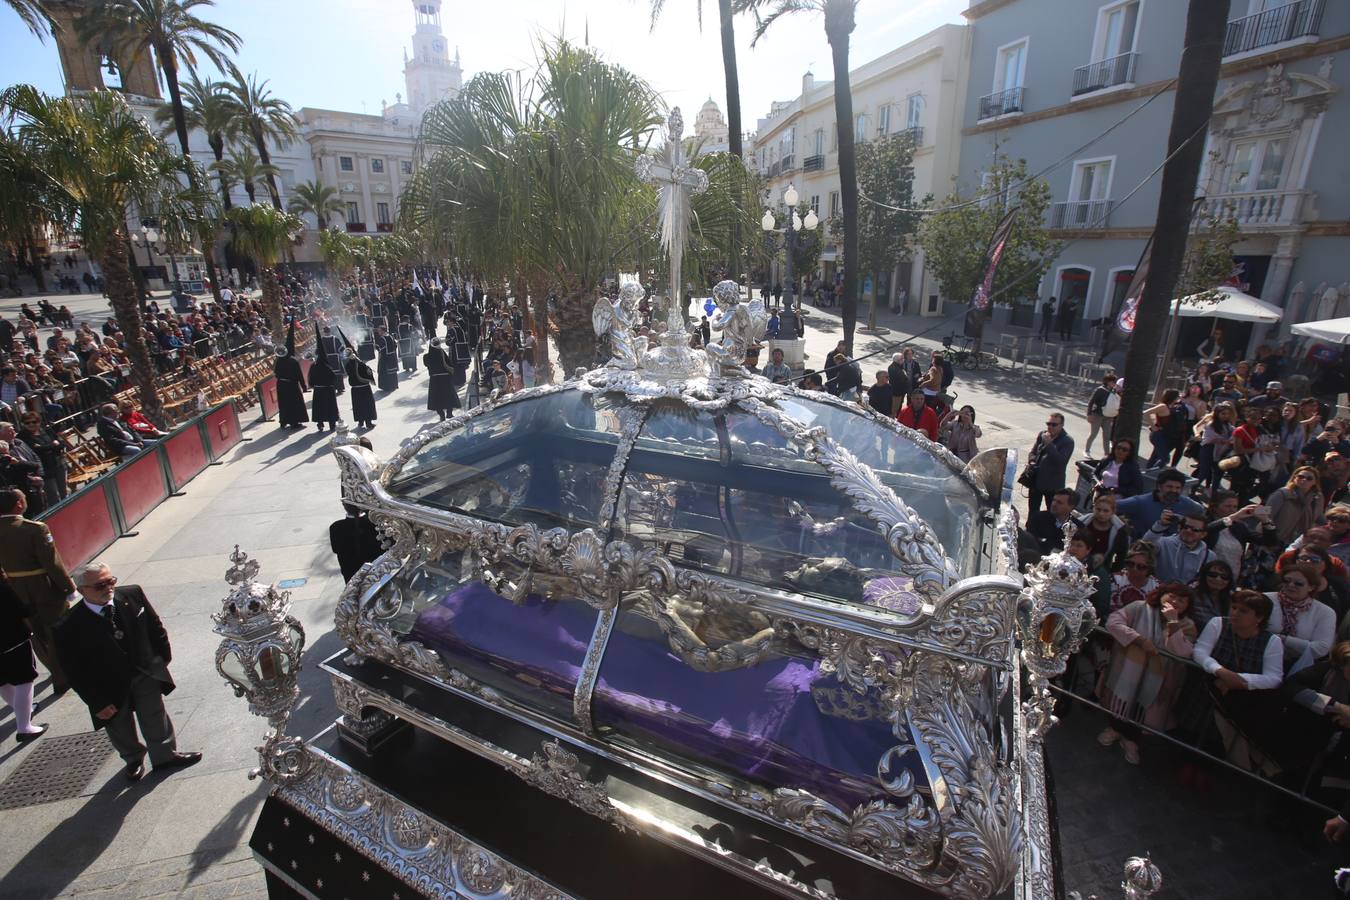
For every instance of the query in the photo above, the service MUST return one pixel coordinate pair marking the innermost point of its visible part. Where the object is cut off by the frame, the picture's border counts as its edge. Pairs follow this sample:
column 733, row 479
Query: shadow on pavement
column 70, row 846
column 226, row 835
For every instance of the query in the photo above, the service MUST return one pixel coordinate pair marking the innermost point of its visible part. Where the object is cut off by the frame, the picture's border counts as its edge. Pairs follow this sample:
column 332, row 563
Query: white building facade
column 916, row 89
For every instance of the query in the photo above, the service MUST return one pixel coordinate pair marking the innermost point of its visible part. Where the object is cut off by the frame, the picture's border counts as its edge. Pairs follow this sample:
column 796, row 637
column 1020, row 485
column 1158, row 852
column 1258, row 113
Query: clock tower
column 430, row 74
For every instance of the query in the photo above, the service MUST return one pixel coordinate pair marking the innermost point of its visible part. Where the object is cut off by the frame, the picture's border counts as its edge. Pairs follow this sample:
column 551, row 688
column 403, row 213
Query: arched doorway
column 1073, row 285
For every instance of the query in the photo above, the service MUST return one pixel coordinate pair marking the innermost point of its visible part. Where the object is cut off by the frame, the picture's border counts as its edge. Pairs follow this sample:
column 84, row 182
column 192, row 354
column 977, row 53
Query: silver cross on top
column 676, row 181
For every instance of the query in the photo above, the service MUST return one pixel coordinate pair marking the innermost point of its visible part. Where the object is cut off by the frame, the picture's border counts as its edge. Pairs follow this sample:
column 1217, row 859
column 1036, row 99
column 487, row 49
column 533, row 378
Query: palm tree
column 169, row 31
column 33, row 13
column 21, row 209
column 244, row 167
column 261, row 115
column 98, row 159
column 264, row 233
column 839, row 18
column 317, row 198
column 205, row 106
column 335, row 246
column 725, row 11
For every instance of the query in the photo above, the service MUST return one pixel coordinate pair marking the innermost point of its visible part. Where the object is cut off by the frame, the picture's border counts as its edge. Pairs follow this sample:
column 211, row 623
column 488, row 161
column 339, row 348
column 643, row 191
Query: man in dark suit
column 354, row 540
column 116, row 654
column 118, row 438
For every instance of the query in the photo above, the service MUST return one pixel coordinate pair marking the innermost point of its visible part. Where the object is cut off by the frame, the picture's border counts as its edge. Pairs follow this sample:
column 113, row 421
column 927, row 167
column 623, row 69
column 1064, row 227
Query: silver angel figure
column 742, row 326
column 618, row 319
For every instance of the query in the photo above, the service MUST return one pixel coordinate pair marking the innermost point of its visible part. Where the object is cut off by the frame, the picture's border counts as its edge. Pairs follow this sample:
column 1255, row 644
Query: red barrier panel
column 222, row 430
column 267, row 397
column 187, row 454
column 82, row 525
column 140, row 486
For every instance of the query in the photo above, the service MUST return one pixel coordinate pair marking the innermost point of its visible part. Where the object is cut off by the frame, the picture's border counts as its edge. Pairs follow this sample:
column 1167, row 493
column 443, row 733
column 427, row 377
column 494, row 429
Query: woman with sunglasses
column 1335, row 590
column 1119, row 472
column 1135, row 579
column 1338, row 524
column 1231, row 529
column 1297, row 506
column 1141, row 684
column 1305, row 624
column 1213, row 592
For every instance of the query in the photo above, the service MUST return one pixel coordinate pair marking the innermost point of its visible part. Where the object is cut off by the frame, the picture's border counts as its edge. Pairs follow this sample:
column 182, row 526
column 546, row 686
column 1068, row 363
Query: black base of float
column 495, row 808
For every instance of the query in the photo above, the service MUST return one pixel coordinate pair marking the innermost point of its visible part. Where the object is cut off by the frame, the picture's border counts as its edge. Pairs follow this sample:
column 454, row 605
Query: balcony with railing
column 1080, row 214
column 1300, row 19
column 914, row 133
column 1001, row 103
column 787, row 163
column 1106, row 73
column 356, row 227
column 813, row 163
column 1255, row 210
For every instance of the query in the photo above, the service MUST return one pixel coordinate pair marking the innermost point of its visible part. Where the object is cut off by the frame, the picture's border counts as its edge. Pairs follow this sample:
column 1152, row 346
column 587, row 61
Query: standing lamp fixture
column 792, row 235
column 259, row 657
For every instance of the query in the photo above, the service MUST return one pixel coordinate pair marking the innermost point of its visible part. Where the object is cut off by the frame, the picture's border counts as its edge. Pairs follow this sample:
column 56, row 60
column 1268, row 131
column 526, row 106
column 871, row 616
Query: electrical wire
column 1007, row 287
column 1072, row 154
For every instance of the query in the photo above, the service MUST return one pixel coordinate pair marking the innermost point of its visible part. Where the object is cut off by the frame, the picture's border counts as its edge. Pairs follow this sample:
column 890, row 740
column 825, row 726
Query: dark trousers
column 1035, row 498
column 144, row 706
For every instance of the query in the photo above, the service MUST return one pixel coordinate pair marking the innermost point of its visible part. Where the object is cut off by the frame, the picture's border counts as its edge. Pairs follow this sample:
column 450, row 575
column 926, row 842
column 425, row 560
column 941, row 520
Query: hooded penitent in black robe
column 387, row 347
column 324, row 383
column 290, row 391
column 360, row 378
column 441, row 395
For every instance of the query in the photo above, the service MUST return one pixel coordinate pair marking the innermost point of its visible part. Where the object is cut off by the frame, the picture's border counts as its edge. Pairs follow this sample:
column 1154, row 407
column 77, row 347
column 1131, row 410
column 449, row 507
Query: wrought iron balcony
column 813, row 163
column 384, row 227
column 914, row 133
column 1302, row 18
column 1104, row 73
column 788, row 163
column 356, row 227
column 1255, row 209
column 1001, row 103
column 1076, row 214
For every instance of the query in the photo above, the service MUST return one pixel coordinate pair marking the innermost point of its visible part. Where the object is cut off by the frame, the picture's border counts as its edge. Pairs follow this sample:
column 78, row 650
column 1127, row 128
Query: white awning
column 1231, row 304
column 1335, row 331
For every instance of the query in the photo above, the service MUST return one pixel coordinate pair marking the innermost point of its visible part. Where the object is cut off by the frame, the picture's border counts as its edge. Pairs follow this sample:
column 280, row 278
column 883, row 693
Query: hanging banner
column 1129, row 307
column 997, row 244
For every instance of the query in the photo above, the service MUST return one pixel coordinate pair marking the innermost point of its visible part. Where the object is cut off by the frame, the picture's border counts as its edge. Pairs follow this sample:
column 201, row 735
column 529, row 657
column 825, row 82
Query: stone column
column 1277, row 285
column 367, row 207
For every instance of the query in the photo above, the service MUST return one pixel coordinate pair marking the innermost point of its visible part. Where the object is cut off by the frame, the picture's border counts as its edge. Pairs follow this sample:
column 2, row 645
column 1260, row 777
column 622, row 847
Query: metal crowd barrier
column 110, row 506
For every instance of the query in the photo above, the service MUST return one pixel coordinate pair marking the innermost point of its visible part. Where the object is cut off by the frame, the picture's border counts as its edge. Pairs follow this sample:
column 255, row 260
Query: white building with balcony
column 918, row 89
column 1090, row 86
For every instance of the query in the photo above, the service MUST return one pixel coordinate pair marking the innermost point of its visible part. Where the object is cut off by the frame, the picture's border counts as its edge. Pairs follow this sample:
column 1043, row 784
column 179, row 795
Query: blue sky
column 348, row 54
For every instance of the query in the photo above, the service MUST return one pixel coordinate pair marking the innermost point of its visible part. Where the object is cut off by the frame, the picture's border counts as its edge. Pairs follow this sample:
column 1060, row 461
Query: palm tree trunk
column 1206, row 21
column 733, row 78
column 543, row 367
column 271, row 303
column 838, row 26
column 266, row 157
column 218, row 149
column 122, row 294
column 576, row 335
column 169, row 66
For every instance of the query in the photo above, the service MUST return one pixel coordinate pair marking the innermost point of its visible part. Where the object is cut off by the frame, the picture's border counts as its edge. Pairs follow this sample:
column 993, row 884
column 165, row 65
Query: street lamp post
column 792, row 236
column 154, row 241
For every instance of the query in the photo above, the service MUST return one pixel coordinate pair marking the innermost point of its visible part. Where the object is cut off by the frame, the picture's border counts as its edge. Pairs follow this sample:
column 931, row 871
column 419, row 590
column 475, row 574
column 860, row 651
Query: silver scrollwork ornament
column 1054, row 611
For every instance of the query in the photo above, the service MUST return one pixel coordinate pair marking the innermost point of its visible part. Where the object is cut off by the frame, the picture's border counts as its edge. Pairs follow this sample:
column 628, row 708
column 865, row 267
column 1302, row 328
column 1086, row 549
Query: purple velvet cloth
column 761, row 723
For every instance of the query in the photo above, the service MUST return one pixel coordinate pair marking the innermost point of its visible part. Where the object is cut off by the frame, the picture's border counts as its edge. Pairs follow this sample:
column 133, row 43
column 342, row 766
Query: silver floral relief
column 1055, row 612
column 557, row 772
column 1034, row 718
column 976, row 618
column 630, row 424
column 431, row 858
column 584, row 690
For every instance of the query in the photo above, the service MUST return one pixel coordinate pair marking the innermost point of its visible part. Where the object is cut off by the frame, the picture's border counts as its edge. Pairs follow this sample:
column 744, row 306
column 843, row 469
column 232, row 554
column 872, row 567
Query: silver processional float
column 668, row 628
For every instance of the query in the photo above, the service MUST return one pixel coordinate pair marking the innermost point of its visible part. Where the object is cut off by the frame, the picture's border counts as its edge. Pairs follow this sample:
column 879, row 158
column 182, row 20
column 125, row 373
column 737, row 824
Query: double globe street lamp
column 793, row 236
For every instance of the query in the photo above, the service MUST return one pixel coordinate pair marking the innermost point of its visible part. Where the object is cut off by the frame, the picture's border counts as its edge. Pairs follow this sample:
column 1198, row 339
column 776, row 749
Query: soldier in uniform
column 441, row 394
column 387, row 367
column 408, row 345
column 330, row 353
column 363, row 396
column 30, row 559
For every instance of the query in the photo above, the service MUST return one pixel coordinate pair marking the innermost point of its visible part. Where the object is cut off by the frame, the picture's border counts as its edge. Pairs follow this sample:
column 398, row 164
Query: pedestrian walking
column 323, row 404
column 361, row 380
column 29, row 556
column 442, row 398
column 1102, row 409
column 116, row 651
column 17, row 672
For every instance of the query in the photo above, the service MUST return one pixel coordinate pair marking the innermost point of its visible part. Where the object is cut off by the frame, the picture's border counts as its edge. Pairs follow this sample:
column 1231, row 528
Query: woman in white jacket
column 1306, row 625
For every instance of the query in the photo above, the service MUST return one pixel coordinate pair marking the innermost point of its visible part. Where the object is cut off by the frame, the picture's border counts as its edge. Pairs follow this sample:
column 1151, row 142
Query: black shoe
column 180, row 761
column 135, row 771
column 32, row 736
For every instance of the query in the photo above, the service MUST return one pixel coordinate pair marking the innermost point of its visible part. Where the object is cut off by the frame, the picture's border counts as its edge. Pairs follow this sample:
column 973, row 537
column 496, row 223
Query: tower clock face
column 437, row 46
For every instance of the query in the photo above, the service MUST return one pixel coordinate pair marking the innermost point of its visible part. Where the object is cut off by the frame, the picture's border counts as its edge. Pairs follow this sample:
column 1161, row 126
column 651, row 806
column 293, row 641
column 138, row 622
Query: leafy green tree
column 839, row 18
column 243, row 167
column 1208, row 262
column 264, row 233
column 205, row 106
column 885, row 229
column 316, row 198
column 955, row 238
column 263, row 116
column 98, row 159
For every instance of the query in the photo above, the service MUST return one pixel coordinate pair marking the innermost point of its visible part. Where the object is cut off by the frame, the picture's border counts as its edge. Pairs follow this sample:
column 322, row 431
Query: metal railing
column 1080, row 213
column 813, row 163
column 1255, row 209
column 914, row 133
column 1302, row 18
column 787, row 163
column 1001, row 103
column 1105, row 73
